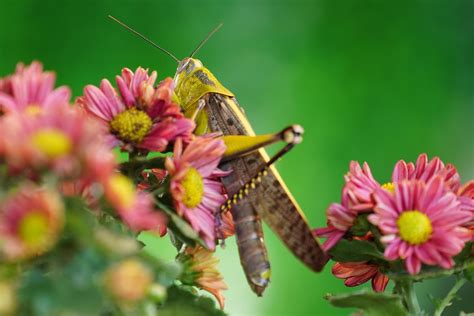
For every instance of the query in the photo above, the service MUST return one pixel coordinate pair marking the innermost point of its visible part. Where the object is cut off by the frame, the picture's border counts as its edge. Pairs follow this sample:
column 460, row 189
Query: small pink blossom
column 31, row 220
column 195, row 187
column 360, row 186
column 357, row 273
column 425, row 170
column 201, row 271
column 31, row 89
column 421, row 223
column 340, row 218
column 140, row 116
column 64, row 141
column 134, row 207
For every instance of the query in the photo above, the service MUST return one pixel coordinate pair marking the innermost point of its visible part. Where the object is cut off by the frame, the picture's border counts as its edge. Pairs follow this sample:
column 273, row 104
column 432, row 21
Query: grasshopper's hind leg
column 238, row 146
column 241, row 145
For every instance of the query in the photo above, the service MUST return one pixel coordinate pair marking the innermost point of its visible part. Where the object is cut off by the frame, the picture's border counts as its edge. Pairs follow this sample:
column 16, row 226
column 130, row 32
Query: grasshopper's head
column 193, row 81
column 185, row 68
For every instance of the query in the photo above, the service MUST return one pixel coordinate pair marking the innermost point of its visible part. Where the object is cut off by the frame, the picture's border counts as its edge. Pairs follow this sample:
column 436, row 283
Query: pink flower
column 195, row 187
column 31, row 89
column 340, row 218
column 360, row 186
column 357, row 273
column 30, row 222
column 421, row 223
column 64, row 141
column 425, row 170
column 135, row 208
column 140, row 116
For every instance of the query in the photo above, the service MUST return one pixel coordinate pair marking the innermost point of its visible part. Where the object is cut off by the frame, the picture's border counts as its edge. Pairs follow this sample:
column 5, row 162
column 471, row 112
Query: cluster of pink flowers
column 424, row 216
column 53, row 149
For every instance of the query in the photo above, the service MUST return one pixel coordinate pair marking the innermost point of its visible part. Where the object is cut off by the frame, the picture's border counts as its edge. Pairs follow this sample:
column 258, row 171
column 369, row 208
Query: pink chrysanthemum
column 425, row 170
column 357, row 197
column 340, row 218
column 141, row 116
column 64, row 141
column 135, row 208
column 30, row 222
column 421, row 222
column 31, row 89
column 197, row 193
column 357, row 273
column 360, row 186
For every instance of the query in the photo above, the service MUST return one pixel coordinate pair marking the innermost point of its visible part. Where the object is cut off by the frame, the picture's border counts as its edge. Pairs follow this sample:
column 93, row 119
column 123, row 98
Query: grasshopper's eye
column 186, row 65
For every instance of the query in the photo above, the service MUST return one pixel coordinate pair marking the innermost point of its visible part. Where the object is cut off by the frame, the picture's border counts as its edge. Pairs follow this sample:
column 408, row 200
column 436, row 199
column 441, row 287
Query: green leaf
column 372, row 304
column 355, row 250
column 183, row 302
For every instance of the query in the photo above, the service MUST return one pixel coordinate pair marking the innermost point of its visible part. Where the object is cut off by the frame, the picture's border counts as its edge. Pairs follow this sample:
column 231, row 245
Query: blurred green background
column 372, row 81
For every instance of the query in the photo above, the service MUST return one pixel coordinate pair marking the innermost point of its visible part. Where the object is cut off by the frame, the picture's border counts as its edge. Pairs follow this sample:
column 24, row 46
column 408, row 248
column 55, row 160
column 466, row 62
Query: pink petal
column 125, row 92
column 97, row 103
column 413, row 265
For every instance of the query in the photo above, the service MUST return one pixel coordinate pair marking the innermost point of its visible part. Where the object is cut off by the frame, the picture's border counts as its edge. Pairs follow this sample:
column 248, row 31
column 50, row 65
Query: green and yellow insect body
column 255, row 193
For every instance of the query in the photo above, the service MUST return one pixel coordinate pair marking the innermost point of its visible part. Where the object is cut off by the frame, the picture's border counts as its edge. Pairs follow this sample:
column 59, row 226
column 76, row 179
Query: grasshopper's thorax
column 193, row 81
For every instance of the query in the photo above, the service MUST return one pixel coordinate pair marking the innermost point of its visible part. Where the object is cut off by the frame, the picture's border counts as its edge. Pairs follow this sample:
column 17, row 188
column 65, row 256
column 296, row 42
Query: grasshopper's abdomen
column 252, row 251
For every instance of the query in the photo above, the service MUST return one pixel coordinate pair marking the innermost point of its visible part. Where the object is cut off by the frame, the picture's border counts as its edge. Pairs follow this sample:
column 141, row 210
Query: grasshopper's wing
column 273, row 201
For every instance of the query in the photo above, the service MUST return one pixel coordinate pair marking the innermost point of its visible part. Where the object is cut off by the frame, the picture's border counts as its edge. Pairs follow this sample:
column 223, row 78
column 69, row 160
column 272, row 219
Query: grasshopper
column 255, row 188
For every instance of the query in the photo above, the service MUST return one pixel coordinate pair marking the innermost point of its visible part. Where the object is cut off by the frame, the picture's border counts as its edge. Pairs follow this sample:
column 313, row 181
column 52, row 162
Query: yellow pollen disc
column 388, row 186
column 33, row 109
column 33, row 229
column 131, row 125
column 122, row 187
column 53, row 143
column 193, row 188
column 414, row 227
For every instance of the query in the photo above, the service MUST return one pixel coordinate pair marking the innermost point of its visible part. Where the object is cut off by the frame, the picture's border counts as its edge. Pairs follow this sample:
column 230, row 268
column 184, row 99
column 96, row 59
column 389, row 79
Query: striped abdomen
column 252, row 251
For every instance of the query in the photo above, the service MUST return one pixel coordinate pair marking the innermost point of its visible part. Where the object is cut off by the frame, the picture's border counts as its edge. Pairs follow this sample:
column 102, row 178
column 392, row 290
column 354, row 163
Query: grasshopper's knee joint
column 293, row 134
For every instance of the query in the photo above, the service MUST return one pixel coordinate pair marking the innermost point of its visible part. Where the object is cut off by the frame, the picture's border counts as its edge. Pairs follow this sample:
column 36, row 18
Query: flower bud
column 128, row 281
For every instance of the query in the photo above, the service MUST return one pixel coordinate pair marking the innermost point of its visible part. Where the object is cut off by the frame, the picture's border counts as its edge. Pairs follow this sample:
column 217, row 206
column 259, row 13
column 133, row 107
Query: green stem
column 409, row 296
column 449, row 297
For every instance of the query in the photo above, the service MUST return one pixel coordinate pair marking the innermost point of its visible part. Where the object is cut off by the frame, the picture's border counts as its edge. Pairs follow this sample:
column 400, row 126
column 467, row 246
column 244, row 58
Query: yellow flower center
column 33, row 109
column 131, row 125
column 122, row 187
column 33, row 229
column 388, row 186
column 414, row 227
column 193, row 188
column 53, row 143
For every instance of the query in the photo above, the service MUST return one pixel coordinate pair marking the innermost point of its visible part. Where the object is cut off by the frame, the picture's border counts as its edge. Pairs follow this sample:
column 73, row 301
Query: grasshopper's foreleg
column 200, row 105
column 291, row 135
column 241, row 145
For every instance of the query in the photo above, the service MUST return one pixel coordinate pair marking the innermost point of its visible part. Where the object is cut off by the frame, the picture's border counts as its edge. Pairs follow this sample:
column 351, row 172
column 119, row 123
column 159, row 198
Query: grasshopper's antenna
column 145, row 38
column 205, row 40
